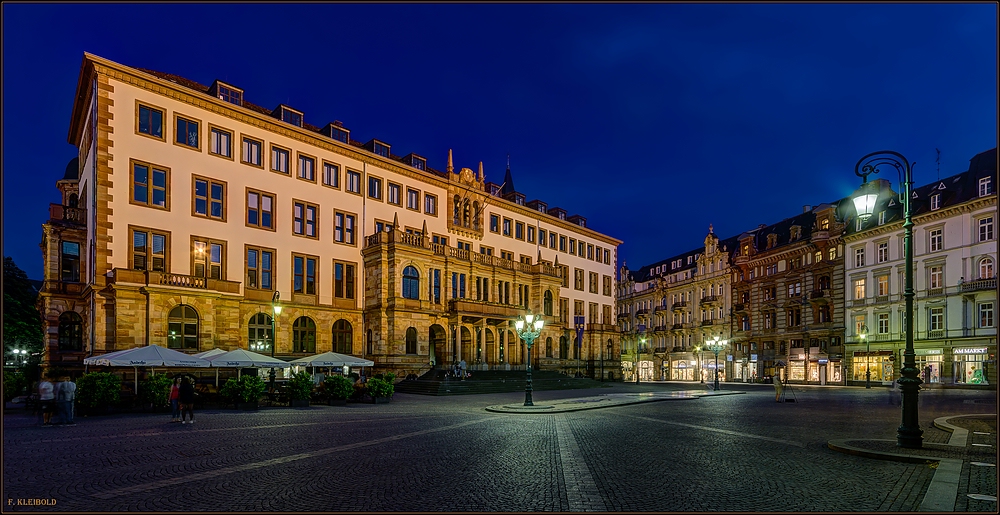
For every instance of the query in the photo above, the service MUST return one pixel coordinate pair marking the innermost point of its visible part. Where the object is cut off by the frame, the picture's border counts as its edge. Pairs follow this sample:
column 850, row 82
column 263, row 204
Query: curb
column 604, row 401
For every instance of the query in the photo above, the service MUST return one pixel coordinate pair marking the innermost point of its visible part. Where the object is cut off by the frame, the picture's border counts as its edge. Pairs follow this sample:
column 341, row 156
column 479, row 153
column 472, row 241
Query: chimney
column 806, row 208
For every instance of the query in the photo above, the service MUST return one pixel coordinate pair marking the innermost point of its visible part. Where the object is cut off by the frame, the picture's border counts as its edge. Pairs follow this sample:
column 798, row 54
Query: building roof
column 72, row 170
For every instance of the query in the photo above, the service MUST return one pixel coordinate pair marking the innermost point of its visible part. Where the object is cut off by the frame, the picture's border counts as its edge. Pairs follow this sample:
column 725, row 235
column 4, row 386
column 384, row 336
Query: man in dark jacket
column 186, row 398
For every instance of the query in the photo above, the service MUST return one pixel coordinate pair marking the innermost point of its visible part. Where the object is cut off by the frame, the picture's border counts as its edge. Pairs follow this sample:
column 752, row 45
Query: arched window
column 548, row 347
column 304, row 335
column 343, row 337
column 465, row 213
column 475, row 215
column 411, row 283
column 261, row 334
column 70, row 331
column 182, row 328
column 74, row 201
column 986, row 268
column 563, row 347
column 458, row 210
column 411, row 340
column 547, row 303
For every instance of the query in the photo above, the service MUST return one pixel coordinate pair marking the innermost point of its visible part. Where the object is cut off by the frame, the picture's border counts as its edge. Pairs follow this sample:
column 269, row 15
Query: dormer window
column 772, row 240
column 825, row 224
column 795, row 232
column 562, row 216
column 233, row 96
column 417, row 162
column 985, row 186
column 288, row 115
column 381, row 149
column 227, row 93
column 935, row 201
column 335, row 130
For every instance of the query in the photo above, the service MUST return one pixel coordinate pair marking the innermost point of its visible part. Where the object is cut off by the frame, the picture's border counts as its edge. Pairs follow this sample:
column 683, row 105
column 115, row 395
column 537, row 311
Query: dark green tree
column 22, row 324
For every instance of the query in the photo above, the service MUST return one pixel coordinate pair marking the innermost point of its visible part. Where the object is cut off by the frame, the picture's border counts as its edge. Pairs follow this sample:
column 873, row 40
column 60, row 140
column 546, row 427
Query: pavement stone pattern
column 436, row 454
column 978, row 479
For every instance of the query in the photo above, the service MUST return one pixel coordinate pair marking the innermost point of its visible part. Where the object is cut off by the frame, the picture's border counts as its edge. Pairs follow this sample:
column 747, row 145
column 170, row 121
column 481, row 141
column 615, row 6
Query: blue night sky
column 651, row 120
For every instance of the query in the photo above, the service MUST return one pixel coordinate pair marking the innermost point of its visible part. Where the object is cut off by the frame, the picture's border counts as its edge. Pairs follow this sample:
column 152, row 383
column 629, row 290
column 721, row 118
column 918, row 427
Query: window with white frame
column 883, row 252
column 985, row 314
column 882, row 285
column 881, row 217
column 986, row 268
column 986, row 228
column 935, row 201
column 936, row 240
column 935, row 279
column 353, row 182
column 859, row 288
column 936, row 319
column 985, row 186
column 859, row 258
column 331, row 175
column 859, row 323
column 882, row 323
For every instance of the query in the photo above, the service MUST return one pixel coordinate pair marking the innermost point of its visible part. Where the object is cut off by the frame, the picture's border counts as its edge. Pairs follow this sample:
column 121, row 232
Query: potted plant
column 154, row 391
column 245, row 392
column 300, row 386
column 97, row 392
column 338, row 389
column 381, row 388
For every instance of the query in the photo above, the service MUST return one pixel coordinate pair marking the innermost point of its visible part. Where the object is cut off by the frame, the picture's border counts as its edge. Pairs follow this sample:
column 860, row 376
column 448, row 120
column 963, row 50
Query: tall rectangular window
column 985, row 186
column 936, row 319
column 209, row 198
column 221, row 142
column 859, row 289
column 304, row 217
column 279, row 159
column 506, row 226
column 375, row 188
column 935, row 274
column 353, row 182
column 494, row 223
column 883, row 252
column 252, row 151
column 150, row 185
column 149, row 250
column 260, row 209
column 859, row 258
column 519, row 230
column 436, row 286
column 882, row 323
column 542, row 237
column 882, row 284
column 935, row 201
column 531, row 234
column 331, row 175
column 394, row 194
column 304, row 274
column 70, row 258
column 572, row 247
column 986, row 228
column 150, row 121
column 986, row 314
column 187, row 132
column 343, row 228
column 207, row 258
column 578, row 279
column 430, row 204
column 935, row 240
column 260, row 263
column 343, row 280
column 593, row 282
column 412, row 199
column 307, row 168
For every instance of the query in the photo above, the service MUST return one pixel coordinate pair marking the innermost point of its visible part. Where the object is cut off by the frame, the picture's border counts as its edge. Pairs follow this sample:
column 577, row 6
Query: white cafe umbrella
column 332, row 359
column 101, row 359
column 240, row 358
column 209, row 353
column 150, row 356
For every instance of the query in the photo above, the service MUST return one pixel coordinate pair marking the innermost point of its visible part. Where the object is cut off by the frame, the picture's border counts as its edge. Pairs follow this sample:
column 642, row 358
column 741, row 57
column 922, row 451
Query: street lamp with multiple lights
column 276, row 306
column 528, row 328
column 909, row 434
column 697, row 351
column 716, row 345
column 863, row 336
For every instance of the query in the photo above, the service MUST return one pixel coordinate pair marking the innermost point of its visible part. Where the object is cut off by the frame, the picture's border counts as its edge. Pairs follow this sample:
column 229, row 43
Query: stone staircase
column 493, row 381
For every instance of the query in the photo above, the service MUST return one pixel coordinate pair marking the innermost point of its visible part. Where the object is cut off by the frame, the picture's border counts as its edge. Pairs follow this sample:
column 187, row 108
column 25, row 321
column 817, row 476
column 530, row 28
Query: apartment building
column 954, row 279
column 191, row 213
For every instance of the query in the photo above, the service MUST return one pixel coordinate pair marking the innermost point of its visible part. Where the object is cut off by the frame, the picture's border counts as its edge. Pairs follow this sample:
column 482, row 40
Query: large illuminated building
column 190, row 214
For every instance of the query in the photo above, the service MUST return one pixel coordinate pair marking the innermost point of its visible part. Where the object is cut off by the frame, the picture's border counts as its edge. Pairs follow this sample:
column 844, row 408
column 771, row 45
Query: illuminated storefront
column 929, row 362
column 880, row 362
column 968, row 364
column 682, row 370
column 797, row 368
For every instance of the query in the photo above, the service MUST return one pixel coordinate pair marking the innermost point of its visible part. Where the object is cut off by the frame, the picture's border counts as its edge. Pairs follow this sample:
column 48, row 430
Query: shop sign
column 926, row 352
column 753, row 357
column 823, row 361
column 970, row 350
column 729, row 357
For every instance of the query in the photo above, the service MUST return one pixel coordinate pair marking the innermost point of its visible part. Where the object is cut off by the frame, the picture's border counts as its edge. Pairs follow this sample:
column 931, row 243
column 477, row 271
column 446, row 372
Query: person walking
column 65, row 399
column 185, row 395
column 175, row 403
column 779, row 390
column 46, row 400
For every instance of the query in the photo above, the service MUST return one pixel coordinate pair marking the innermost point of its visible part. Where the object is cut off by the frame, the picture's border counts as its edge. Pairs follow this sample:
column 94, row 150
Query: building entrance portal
column 437, row 342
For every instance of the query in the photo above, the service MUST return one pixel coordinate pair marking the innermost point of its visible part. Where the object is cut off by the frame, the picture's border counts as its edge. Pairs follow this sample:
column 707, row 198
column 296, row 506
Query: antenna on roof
column 938, row 161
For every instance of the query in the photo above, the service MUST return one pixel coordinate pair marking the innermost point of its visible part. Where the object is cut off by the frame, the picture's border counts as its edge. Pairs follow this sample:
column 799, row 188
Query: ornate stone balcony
column 981, row 284
column 679, row 305
column 709, row 299
column 123, row 275
column 63, row 287
column 482, row 308
column 73, row 215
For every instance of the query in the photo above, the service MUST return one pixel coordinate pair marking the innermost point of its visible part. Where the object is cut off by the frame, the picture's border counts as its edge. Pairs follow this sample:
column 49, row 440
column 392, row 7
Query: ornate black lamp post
column 716, row 345
column 909, row 434
column 276, row 306
column 528, row 328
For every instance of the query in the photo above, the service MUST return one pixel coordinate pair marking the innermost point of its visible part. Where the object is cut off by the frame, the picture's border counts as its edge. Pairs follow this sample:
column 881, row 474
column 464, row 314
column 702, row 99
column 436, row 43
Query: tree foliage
column 22, row 324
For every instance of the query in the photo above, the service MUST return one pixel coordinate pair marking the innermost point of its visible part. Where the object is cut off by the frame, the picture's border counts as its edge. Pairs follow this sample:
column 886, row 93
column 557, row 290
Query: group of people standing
column 182, row 400
column 57, row 399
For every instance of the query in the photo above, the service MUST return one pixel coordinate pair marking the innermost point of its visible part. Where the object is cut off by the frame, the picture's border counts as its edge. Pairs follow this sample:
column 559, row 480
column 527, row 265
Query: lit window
column 859, row 289
column 207, row 259
column 149, row 250
column 882, row 284
column 986, row 268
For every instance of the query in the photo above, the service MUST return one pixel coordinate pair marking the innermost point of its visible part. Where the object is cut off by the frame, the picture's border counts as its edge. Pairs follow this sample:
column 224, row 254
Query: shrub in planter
column 300, row 386
column 338, row 387
column 155, row 391
column 380, row 388
column 98, row 391
column 359, row 392
column 247, row 389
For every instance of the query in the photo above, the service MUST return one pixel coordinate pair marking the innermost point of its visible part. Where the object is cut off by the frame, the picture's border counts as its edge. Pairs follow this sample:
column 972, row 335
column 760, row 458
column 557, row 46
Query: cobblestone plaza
column 739, row 452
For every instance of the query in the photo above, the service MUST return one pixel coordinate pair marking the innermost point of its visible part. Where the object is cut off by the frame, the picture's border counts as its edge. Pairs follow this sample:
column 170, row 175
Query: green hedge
column 98, row 390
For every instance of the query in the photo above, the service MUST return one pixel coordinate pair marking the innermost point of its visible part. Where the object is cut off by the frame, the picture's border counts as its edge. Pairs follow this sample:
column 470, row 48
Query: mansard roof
column 642, row 274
